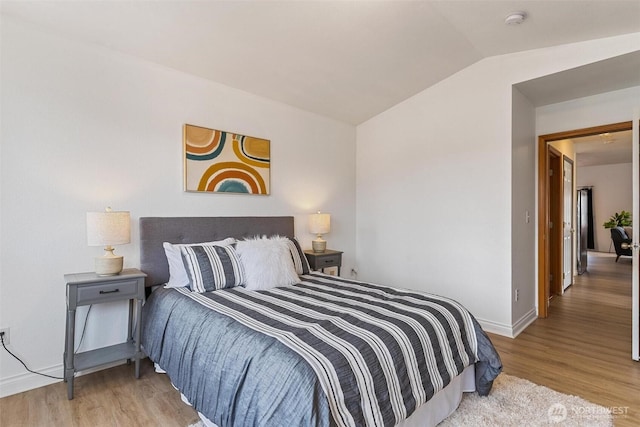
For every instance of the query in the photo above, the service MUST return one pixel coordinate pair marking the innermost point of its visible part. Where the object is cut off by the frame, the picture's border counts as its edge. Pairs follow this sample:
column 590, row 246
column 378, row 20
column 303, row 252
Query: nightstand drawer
column 107, row 291
column 326, row 259
column 329, row 261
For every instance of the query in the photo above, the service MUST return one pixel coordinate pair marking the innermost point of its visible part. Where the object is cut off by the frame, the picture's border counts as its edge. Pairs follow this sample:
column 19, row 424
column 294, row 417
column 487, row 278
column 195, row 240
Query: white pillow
column 267, row 263
column 177, row 274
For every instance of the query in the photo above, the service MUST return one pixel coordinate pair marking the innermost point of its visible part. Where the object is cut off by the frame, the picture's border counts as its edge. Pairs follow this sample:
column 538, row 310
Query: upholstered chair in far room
column 619, row 236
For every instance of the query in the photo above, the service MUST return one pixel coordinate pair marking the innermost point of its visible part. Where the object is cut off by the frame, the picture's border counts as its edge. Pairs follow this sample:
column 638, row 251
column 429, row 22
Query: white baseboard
column 507, row 330
column 28, row 381
column 522, row 323
column 496, row 328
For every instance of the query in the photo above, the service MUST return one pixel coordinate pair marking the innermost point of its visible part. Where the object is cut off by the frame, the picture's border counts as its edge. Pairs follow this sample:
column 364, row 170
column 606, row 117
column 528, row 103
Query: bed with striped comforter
column 326, row 351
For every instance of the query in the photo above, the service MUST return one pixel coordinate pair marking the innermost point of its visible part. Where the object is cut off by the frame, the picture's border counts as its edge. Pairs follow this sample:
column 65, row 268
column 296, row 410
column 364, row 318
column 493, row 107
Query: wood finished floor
column 583, row 348
column 111, row 397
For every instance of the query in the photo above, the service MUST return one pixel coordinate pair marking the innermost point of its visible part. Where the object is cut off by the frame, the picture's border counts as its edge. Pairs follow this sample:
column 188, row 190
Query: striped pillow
column 211, row 267
column 299, row 260
column 177, row 274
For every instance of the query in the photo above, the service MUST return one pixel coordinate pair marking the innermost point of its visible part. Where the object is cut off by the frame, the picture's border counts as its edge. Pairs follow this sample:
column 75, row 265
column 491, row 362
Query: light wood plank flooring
column 583, row 348
column 111, row 397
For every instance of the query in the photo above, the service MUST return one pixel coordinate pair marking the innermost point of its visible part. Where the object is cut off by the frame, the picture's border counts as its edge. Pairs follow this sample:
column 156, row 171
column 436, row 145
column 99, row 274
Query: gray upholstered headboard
column 156, row 230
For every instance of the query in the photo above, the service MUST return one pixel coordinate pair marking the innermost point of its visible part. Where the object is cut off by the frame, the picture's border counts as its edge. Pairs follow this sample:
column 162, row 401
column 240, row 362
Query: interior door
column 567, row 223
column 635, row 293
column 555, row 223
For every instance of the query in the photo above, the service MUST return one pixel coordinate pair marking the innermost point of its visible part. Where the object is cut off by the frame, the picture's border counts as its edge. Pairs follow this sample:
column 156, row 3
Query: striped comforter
column 377, row 352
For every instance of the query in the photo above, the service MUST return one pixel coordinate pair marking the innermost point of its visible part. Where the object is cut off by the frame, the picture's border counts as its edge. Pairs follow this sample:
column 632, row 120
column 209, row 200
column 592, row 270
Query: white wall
column 612, row 192
column 566, row 147
column 606, row 108
column 523, row 193
column 434, row 181
column 84, row 127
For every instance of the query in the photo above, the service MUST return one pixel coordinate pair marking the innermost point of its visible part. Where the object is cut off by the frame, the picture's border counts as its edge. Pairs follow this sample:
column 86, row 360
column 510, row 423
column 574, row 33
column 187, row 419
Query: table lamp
column 105, row 229
column 319, row 224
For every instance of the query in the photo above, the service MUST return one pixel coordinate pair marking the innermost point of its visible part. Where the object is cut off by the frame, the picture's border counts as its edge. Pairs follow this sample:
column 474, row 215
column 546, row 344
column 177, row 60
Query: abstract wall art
column 216, row 161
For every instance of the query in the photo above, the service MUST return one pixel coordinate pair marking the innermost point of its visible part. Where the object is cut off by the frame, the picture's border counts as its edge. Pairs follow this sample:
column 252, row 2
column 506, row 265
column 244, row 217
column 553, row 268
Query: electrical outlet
column 5, row 335
column 517, row 294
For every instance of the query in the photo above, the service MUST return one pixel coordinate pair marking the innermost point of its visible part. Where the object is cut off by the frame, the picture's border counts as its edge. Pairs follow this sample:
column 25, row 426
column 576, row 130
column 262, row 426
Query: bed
column 320, row 351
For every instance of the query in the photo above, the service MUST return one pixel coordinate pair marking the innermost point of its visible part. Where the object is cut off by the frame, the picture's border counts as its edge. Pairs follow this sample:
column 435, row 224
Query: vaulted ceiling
column 348, row 60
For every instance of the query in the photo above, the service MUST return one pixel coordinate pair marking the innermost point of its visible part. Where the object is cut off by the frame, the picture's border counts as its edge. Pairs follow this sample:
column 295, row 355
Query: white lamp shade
column 320, row 223
column 108, row 228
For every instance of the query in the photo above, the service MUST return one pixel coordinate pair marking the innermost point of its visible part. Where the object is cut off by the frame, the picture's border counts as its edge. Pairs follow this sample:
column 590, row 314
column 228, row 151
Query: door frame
column 543, row 201
column 635, row 260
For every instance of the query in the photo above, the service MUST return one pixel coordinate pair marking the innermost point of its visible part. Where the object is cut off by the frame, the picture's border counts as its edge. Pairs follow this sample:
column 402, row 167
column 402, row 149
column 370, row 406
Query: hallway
column 584, row 346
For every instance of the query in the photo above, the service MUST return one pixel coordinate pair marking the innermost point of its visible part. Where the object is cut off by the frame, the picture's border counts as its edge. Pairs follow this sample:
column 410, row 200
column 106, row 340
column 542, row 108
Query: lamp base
column 319, row 245
column 109, row 264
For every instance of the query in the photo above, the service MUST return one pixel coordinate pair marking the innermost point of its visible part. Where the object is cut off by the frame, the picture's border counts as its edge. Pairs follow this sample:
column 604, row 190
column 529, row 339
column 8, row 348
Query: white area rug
column 514, row 401
column 517, row 402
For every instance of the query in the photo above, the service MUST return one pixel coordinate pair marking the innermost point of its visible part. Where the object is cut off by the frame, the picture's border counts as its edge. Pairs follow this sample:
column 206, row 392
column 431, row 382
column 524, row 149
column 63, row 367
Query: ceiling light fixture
column 606, row 138
column 515, row 18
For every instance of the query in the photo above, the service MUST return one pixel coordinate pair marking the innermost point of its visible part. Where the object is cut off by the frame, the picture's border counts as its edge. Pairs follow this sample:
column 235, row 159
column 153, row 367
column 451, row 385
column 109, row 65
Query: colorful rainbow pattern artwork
column 216, row 161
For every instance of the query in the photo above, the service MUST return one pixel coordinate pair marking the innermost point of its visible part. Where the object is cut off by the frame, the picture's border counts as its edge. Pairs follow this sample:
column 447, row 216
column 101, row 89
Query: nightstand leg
column 138, row 333
column 70, row 389
column 68, row 352
column 130, row 328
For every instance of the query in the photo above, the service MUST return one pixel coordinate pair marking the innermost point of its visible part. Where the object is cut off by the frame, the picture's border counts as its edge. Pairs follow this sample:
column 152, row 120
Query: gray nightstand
column 322, row 260
column 89, row 288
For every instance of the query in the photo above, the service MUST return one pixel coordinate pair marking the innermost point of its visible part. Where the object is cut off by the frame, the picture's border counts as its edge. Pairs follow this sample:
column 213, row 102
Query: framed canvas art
column 216, row 161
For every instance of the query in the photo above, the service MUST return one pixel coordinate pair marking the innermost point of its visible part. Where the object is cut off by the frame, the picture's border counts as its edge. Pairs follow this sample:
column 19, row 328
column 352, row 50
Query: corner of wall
column 506, row 330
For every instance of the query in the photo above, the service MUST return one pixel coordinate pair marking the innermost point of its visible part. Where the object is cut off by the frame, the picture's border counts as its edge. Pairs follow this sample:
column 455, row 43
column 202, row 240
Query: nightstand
column 89, row 288
column 322, row 260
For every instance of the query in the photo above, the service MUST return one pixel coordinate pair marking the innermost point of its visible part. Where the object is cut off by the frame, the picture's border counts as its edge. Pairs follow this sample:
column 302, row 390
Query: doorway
column 549, row 209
